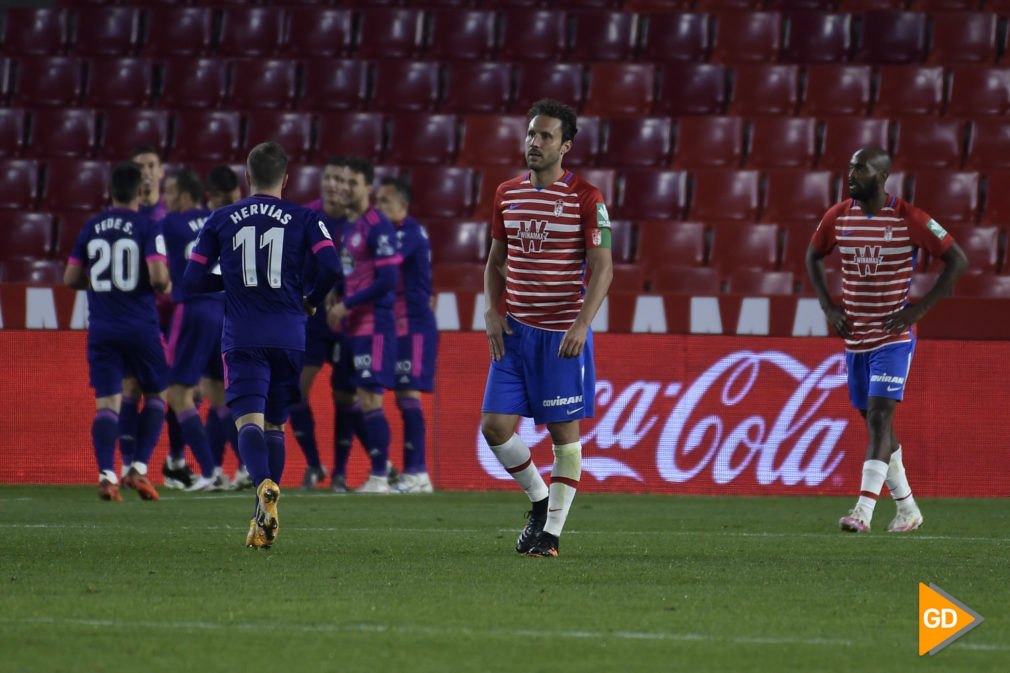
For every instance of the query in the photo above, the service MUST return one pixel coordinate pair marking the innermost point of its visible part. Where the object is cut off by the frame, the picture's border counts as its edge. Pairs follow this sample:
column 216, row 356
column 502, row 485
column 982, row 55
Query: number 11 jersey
column 262, row 242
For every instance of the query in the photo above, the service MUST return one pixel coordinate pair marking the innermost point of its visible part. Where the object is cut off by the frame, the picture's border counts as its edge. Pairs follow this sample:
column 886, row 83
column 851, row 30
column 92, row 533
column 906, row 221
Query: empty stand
column 893, row 37
column 490, row 177
column 390, row 33
column 747, row 37
column 818, row 37
column 119, row 82
column 63, row 133
column 987, row 145
column 194, row 83
column 30, row 270
column 800, row 196
column 709, row 142
column 586, row 146
column 467, row 34
column 744, row 246
column 997, row 203
column 351, row 133
column 76, row 185
column 106, row 31
column 458, row 242
column 562, row 81
column 617, row 89
column 50, row 81
column 928, row 142
column 922, row 282
column 636, row 141
column 627, row 278
column 763, row 89
column 907, row 90
column 126, row 128
column 621, row 243
column 964, row 37
column 440, row 191
column 950, row 197
column 537, row 35
column 796, row 241
column 25, row 234
column 675, row 36
column 664, row 243
column 264, row 83
column 693, row 280
column 315, row 32
column 206, row 135
column 12, row 132
column 691, row 89
column 179, row 31
column 758, row 282
column 477, row 86
column 835, row 90
column 653, row 194
column 405, row 85
column 603, row 36
column 725, row 196
column 604, row 179
column 782, row 142
column 35, row 32
column 251, row 31
column 422, row 139
column 68, row 227
column 334, row 84
column 979, row 91
column 979, row 243
column 5, row 79
column 457, row 277
column 985, row 285
column 843, row 136
column 492, row 139
column 293, row 130
column 304, row 183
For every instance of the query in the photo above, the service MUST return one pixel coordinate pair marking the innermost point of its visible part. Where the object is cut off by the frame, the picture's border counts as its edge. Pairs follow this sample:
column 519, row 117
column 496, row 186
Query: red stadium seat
column 997, row 202
column 251, row 31
column 48, row 81
column 206, row 135
column 179, row 31
column 12, row 132
column 126, row 128
column 950, row 197
column 537, row 35
column 334, row 84
column 76, row 185
column 725, row 196
column 922, row 282
column 675, row 36
column 30, row 270
column 25, row 234
column 621, row 245
column 979, row 91
column 927, row 142
column 665, row 243
column 63, row 133
column 744, row 246
column 843, row 136
column 907, row 90
column 980, row 245
column 943, row 5
column 964, row 37
column 627, row 279
column 459, row 242
column 5, row 79
column 758, row 282
column 801, row 196
column 119, row 82
column 617, row 89
column 586, row 148
column 457, row 277
column 406, row 85
column 68, row 227
column 782, row 142
column 319, row 32
column 106, row 31
column 603, row 36
column 350, row 133
column 194, row 83
column 392, row 33
column 477, row 86
column 561, row 81
column 763, row 89
column 658, row 5
column 987, row 285
column 35, row 32
column 987, row 144
column 652, row 194
column 691, row 89
column 837, row 90
column 796, row 240
column 264, row 83
column 422, row 139
column 440, row 191
column 716, row 6
column 293, row 130
column 304, row 183
column 492, row 139
column 893, row 37
column 698, row 281
column 818, row 37
column 489, row 178
column 467, row 34
column 895, row 184
column 708, row 142
column 604, row 179
column 747, row 37
column 635, row 141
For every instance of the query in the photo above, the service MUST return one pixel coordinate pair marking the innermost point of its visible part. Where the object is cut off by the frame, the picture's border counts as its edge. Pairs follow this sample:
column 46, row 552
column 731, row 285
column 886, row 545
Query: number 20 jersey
column 262, row 242
column 115, row 248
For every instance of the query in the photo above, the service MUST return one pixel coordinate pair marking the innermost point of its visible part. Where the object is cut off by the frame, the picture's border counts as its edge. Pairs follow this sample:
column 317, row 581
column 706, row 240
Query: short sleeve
column 318, row 233
column 595, row 219
column 497, row 220
column 207, row 244
column 824, row 238
column 154, row 243
column 79, row 255
column 927, row 233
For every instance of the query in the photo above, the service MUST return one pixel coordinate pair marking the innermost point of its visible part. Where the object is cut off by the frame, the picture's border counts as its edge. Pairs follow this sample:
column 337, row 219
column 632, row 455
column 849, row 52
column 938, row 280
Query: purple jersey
column 181, row 231
column 369, row 245
column 335, row 225
column 413, row 289
column 114, row 246
column 261, row 242
column 157, row 211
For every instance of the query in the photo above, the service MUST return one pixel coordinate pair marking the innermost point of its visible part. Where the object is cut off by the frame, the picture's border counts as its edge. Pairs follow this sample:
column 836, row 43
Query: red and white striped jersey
column 878, row 258
column 548, row 231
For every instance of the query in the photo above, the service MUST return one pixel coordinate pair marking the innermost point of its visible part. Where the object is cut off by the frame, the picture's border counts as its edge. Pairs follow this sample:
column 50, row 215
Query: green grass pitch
column 432, row 583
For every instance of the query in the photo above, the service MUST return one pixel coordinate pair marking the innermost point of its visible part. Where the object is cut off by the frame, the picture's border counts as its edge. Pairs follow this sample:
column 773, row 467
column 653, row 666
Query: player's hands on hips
column 838, row 320
column 901, row 320
column 335, row 315
column 573, row 342
column 496, row 324
column 309, row 309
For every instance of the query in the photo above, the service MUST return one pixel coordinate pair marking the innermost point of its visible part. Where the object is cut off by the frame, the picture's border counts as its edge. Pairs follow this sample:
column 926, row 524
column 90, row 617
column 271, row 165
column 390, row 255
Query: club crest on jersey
column 888, row 233
column 867, row 259
column 559, row 207
column 532, row 234
column 597, row 237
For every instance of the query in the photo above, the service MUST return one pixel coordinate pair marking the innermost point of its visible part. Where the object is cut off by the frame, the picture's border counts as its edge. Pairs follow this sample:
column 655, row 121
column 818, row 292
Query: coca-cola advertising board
column 736, row 415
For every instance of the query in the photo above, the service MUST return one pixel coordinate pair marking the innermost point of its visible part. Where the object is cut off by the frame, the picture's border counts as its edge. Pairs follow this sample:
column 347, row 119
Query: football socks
column 304, row 427
column 413, row 435
column 152, row 418
column 252, row 446
column 104, row 430
column 128, row 420
column 516, row 458
column 216, row 436
column 275, row 449
column 874, row 473
column 897, row 481
column 195, row 435
column 176, row 440
column 564, row 482
column 378, row 436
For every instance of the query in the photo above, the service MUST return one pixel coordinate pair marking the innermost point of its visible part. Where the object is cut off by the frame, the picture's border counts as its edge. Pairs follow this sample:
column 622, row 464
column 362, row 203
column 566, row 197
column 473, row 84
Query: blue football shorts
column 263, row 380
column 115, row 354
column 194, row 342
column 416, row 352
column 882, row 372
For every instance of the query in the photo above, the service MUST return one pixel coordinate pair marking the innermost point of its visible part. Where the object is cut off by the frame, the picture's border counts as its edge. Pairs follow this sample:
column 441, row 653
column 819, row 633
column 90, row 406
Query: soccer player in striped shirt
column 879, row 237
column 547, row 225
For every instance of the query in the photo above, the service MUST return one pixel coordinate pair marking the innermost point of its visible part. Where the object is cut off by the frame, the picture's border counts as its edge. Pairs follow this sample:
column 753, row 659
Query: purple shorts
column 415, row 356
column 194, row 342
column 263, row 380
column 115, row 354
